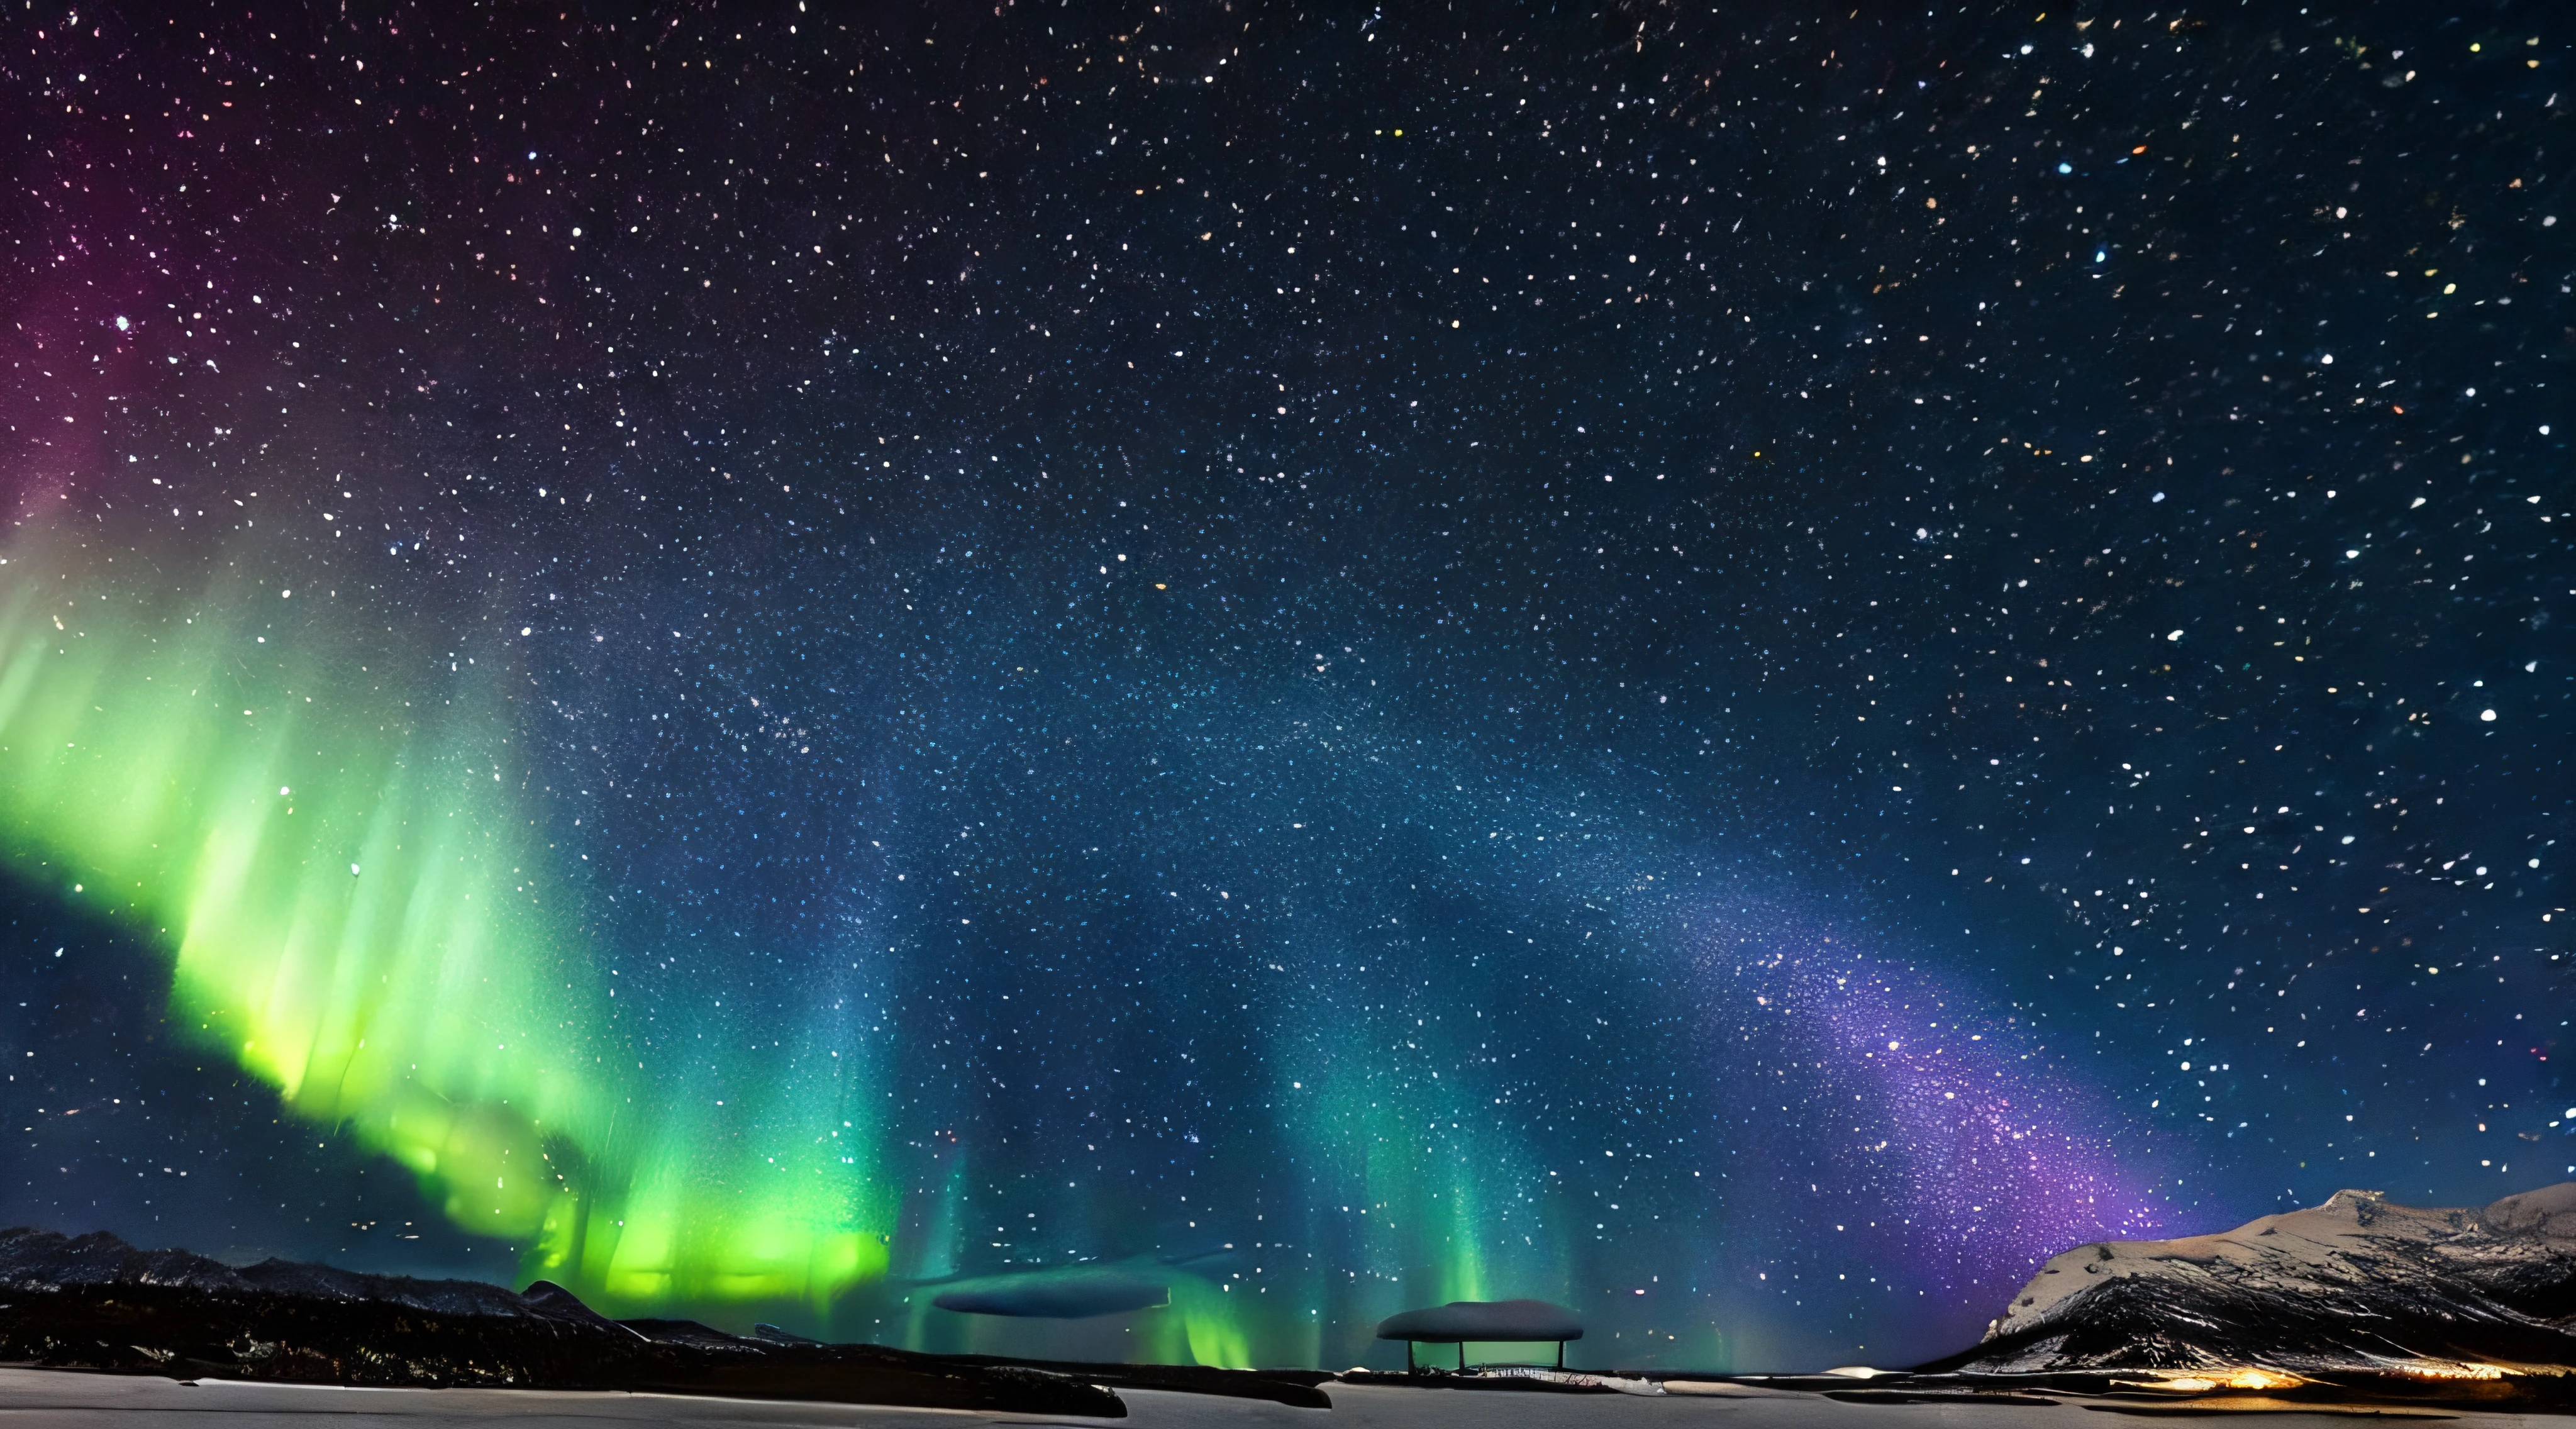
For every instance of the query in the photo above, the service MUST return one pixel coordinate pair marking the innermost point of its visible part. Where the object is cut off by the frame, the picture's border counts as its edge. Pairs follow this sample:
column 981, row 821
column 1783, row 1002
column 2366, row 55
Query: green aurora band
column 350, row 871
column 361, row 909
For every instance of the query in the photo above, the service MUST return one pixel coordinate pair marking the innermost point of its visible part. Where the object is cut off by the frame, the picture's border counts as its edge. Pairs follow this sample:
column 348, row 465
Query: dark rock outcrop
column 97, row 1303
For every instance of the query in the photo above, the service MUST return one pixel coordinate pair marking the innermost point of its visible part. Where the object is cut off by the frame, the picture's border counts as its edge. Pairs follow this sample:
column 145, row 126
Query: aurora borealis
column 1738, row 671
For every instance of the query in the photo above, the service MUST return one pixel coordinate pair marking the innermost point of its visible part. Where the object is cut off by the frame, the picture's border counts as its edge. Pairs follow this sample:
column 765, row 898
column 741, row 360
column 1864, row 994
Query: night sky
column 1744, row 671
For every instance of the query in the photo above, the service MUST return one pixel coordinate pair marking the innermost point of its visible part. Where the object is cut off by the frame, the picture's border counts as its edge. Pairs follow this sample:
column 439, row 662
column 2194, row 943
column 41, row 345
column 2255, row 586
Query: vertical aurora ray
column 351, row 872
column 1420, row 1176
column 1401, row 1163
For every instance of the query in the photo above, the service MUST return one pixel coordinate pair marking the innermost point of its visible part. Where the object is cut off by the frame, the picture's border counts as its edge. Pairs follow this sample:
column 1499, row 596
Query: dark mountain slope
column 2357, row 1284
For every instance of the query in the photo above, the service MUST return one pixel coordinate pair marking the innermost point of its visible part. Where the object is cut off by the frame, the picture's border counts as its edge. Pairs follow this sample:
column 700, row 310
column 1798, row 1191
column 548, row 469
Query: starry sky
column 1737, row 668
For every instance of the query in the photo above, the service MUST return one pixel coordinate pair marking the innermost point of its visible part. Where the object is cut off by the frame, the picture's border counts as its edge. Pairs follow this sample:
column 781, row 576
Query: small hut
column 1482, row 1321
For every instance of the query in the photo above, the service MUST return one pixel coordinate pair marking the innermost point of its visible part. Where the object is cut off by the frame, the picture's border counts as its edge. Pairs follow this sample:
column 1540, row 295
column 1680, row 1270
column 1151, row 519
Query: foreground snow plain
column 52, row 1399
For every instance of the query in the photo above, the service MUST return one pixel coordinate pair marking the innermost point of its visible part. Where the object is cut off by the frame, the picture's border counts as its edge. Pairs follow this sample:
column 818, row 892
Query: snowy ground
column 42, row 1399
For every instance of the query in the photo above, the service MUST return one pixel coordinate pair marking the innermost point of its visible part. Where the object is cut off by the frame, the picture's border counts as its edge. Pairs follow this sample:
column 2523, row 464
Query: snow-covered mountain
column 2358, row 1283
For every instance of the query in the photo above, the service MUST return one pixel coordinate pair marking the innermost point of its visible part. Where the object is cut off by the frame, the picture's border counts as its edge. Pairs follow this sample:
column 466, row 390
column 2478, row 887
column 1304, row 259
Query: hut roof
column 1485, row 1321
